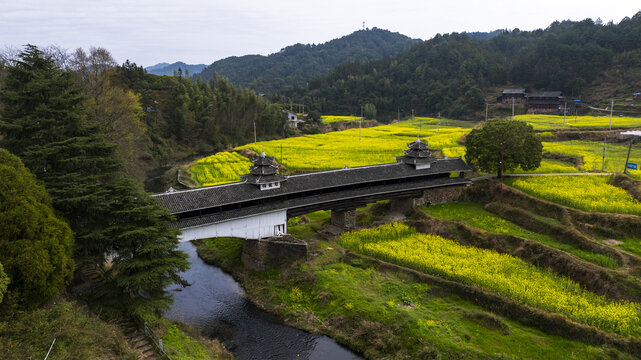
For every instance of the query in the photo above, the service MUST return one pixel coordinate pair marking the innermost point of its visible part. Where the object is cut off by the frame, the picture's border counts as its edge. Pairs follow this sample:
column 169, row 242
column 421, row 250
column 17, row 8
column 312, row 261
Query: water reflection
column 215, row 304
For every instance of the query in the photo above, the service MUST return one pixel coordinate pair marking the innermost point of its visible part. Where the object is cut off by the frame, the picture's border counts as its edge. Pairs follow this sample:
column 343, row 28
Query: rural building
column 516, row 96
column 292, row 119
column 545, row 102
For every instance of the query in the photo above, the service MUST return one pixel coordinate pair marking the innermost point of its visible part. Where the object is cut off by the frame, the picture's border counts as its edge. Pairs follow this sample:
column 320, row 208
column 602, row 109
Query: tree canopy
column 512, row 141
column 454, row 73
column 35, row 245
column 44, row 122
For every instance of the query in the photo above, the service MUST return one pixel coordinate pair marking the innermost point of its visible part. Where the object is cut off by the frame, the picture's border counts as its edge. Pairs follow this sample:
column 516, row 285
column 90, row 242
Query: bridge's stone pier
column 345, row 219
column 274, row 252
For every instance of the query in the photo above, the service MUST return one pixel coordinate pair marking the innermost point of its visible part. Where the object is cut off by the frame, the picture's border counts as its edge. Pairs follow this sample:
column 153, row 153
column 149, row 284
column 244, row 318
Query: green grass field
column 474, row 215
column 386, row 315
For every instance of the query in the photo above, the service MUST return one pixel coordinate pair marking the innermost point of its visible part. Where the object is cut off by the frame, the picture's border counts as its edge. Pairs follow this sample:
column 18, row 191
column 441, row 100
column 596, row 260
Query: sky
column 203, row 31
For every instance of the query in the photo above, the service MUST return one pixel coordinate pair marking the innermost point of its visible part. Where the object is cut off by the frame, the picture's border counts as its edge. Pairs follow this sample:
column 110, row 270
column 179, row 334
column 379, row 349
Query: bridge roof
column 345, row 199
column 218, row 195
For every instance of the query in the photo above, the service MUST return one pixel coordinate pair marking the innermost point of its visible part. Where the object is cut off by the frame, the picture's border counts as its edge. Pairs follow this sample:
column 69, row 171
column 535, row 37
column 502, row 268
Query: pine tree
column 42, row 121
column 147, row 260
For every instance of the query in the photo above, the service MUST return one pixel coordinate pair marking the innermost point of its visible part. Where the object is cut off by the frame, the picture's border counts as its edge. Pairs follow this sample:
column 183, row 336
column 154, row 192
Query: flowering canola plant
column 377, row 145
column 544, row 122
column 501, row 273
column 220, row 168
column 589, row 193
column 333, row 118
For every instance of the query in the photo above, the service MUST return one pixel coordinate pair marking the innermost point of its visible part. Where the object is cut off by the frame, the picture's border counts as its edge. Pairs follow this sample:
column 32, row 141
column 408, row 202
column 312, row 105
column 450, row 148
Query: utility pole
column 501, row 196
column 611, row 108
column 565, row 109
column 398, row 116
column 254, row 131
column 625, row 171
column 486, row 105
column 512, row 108
column 603, row 163
column 359, row 124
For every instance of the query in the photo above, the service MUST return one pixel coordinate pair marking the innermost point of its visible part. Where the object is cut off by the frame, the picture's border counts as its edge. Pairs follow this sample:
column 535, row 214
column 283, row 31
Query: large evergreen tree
column 511, row 141
column 35, row 245
column 43, row 121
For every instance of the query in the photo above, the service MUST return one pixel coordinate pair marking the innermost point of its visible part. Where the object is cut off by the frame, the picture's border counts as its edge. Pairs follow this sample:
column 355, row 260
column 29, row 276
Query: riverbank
column 384, row 313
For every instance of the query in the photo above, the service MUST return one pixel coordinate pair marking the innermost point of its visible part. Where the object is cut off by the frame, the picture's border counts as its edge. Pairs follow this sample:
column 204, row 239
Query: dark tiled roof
column 213, row 196
column 513, row 91
column 340, row 199
column 546, row 94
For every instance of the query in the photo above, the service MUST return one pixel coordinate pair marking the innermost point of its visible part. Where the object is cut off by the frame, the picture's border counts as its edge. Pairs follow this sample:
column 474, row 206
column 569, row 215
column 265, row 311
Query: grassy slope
column 387, row 315
column 79, row 335
column 474, row 215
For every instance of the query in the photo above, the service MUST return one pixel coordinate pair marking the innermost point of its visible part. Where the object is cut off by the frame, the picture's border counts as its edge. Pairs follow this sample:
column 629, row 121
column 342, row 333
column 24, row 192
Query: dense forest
column 295, row 65
column 158, row 120
column 454, row 73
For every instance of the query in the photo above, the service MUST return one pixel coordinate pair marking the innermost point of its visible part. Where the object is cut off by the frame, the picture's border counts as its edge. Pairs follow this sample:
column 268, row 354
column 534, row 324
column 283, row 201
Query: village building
column 513, row 96
column 292, row 119
column 546, row 102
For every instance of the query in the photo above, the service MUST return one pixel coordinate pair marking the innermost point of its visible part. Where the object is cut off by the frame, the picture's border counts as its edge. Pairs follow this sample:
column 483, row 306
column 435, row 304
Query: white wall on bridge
column 251, row 227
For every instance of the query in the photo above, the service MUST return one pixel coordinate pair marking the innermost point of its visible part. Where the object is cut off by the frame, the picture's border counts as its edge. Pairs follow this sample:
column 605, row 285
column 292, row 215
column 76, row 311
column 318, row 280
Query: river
column 214, row 304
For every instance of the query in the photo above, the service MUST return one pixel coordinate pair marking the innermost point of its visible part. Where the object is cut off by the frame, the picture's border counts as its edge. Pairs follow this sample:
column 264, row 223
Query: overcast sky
column 202, row 31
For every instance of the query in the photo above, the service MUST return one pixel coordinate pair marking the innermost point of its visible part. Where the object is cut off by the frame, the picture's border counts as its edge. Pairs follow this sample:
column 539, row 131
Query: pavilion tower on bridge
column 418, row 155
column 264, row 173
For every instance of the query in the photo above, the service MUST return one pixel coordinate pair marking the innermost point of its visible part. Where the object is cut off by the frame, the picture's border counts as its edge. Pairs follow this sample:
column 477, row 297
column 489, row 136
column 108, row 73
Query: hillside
column 295, row 65
column 168, row 69
column 454, row 74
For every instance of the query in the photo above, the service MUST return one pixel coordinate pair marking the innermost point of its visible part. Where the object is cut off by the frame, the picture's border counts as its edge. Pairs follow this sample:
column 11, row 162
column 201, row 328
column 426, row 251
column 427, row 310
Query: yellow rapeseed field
column 543, row 122
column 591, row 152
column 333, row 118
column 500, row 273
column 378, row 145
column 220, row 168
column 589, row 193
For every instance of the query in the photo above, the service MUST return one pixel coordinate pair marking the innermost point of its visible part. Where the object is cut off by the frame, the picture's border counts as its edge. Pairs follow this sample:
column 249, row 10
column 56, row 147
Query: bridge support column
column 401, row 206
column 345, row 219
column 274, row 252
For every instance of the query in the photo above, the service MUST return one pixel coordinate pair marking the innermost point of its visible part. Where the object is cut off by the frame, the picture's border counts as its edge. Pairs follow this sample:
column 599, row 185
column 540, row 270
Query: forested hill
column 295, row 65
column 169, row 69
column 454, row 74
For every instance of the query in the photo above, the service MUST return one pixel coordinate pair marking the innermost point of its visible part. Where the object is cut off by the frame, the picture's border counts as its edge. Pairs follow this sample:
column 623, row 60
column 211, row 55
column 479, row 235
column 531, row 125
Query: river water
column 214, row 304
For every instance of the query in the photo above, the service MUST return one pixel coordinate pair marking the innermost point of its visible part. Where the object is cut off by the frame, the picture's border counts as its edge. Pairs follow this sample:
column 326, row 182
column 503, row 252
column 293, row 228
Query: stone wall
column 442, row 195
column 271, row 253
column 345, row 219
column 401, row 206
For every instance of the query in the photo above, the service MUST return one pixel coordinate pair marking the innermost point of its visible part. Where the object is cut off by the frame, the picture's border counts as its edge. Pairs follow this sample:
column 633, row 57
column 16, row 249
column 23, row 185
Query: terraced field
column 500, row 273
column 589, row 193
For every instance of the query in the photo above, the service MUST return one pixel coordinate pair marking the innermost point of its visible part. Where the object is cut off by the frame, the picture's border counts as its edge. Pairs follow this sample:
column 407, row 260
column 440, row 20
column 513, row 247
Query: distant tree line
column 295, row 65
column 452, row 74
